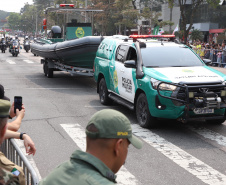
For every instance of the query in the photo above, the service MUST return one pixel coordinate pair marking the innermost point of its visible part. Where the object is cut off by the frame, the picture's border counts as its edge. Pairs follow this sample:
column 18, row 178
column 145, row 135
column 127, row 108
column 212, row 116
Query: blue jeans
column 224, row 60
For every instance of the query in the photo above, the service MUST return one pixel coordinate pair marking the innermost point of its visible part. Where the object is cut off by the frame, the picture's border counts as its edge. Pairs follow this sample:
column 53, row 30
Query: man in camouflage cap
column 108, row 134
column 6, row 177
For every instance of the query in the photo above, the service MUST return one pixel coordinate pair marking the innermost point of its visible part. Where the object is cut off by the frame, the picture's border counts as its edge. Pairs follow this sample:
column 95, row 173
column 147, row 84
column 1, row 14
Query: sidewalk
column 221, row 69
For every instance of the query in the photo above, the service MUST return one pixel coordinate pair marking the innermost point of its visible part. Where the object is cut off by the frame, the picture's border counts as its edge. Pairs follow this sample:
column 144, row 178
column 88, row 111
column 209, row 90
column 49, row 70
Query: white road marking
column 209, row 134
column 28, row 61
column 193, row 165
column 11, row 62
column 77, row 134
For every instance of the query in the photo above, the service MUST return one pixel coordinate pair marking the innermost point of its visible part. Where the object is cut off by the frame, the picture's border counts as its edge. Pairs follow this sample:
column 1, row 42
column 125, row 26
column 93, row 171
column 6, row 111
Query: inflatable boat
column 77, row 52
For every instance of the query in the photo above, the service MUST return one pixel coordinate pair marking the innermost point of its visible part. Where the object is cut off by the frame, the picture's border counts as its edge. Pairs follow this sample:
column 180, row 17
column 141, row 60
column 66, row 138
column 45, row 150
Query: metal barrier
column 213, row 56
column 13, row 152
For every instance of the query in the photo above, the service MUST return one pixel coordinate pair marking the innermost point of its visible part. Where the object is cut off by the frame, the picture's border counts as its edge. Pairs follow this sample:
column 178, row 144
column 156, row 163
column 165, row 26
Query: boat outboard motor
column 56, row 32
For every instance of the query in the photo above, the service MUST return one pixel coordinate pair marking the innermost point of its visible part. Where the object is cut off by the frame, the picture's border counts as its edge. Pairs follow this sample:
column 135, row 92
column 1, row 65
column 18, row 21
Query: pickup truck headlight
column 163, row 86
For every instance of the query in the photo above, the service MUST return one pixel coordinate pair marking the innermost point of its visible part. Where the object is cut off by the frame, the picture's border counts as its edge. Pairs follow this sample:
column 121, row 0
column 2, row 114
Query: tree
column 188, row 16
column 126, row 16
column 14, row 20
column 196, row 35
column 103, row 21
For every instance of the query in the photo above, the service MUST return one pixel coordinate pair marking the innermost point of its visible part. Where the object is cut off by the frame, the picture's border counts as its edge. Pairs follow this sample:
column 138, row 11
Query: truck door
column 125, row 83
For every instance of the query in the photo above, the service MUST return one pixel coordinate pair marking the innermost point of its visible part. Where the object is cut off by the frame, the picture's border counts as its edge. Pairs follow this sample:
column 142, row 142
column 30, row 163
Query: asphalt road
column 58, row 109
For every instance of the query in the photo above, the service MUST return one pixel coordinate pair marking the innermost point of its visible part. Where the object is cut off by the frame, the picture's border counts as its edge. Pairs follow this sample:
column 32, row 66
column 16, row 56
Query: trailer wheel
column 47, row 71
column 50, row 73
column 45, row 68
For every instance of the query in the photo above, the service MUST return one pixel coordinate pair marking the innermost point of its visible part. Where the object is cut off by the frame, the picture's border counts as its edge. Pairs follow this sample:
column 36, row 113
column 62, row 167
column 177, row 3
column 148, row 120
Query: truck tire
column 144, row 118
column 45, row 68
column 50, row 73
column 103, row 93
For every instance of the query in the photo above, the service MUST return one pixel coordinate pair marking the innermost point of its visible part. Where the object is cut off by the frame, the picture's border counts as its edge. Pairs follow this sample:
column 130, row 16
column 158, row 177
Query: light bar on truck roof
column 151, row 36
column 67, row 5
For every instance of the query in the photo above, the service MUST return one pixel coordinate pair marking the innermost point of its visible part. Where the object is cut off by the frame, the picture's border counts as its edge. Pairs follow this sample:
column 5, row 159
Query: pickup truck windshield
column 169, row 56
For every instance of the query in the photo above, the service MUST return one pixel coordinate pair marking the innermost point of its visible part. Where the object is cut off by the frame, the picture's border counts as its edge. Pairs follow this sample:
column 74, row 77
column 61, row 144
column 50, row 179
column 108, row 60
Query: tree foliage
column 14, row 21
column 194, row 5
column 196, row 35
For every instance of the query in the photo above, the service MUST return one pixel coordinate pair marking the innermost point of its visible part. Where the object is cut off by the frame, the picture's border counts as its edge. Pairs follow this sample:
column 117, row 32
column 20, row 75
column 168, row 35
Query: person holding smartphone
column 19, row 111
column 19, row 114
column 11, row 132
column 7, row 177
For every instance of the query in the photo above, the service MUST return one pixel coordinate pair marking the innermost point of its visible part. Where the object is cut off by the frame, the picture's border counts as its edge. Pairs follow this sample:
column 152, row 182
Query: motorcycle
column 27, row 45
column 3, row 46
column 14, row 48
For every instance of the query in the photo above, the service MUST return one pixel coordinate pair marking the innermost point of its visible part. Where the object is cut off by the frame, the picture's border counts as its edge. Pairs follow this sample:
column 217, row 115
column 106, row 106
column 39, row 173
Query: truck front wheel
column 144, row 118
column 103, row 93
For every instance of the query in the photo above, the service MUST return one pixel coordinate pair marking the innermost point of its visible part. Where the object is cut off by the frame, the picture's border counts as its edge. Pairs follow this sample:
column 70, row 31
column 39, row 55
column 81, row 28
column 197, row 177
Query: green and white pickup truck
column 159, row 78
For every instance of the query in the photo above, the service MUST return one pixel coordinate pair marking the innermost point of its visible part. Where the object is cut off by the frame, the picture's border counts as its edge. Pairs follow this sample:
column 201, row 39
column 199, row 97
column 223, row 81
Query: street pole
column 36, row 25
column 85, row 12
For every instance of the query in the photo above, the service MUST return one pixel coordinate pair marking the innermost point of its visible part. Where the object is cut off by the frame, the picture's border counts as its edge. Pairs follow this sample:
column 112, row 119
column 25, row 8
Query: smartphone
column 17, row 103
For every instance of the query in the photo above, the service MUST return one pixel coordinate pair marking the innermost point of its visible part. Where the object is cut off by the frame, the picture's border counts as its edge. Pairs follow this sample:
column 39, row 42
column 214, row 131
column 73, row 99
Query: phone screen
column 17, row 103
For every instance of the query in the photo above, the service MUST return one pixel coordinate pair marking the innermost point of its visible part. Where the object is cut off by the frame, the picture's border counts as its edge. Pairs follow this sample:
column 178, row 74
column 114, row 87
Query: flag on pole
column 176, row 29
column 156, row 30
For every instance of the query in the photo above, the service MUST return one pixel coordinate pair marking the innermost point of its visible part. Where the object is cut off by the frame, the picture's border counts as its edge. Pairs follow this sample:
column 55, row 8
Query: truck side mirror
column 130, row 64
column 207, row 61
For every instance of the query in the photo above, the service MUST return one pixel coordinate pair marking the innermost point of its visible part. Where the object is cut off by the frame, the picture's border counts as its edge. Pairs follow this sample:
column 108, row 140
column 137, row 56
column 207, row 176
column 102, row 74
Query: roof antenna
column 161, row 42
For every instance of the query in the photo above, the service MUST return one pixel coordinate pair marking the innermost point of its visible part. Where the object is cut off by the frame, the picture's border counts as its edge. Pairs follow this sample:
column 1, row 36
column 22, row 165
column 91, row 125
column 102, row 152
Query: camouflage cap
column 4, row 108
column 112, row 124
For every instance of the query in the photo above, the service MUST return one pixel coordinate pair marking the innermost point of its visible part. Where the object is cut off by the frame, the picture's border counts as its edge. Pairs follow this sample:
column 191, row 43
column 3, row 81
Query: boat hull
column 76, row 53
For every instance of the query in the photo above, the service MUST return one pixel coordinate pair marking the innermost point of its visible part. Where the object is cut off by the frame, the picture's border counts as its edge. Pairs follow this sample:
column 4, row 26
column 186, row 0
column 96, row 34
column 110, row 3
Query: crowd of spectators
column 216, row 52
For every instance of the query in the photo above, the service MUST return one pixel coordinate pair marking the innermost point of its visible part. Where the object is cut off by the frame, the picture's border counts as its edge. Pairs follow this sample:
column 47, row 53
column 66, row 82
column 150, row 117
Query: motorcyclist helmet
column 26, row 37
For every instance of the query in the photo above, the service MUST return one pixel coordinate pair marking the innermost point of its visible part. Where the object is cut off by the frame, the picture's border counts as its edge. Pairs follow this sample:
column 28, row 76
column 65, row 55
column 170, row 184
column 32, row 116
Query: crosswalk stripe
column 11, row 62
column 28, row 61
column 209, row 134
column 193, row 165
column 77, row 134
